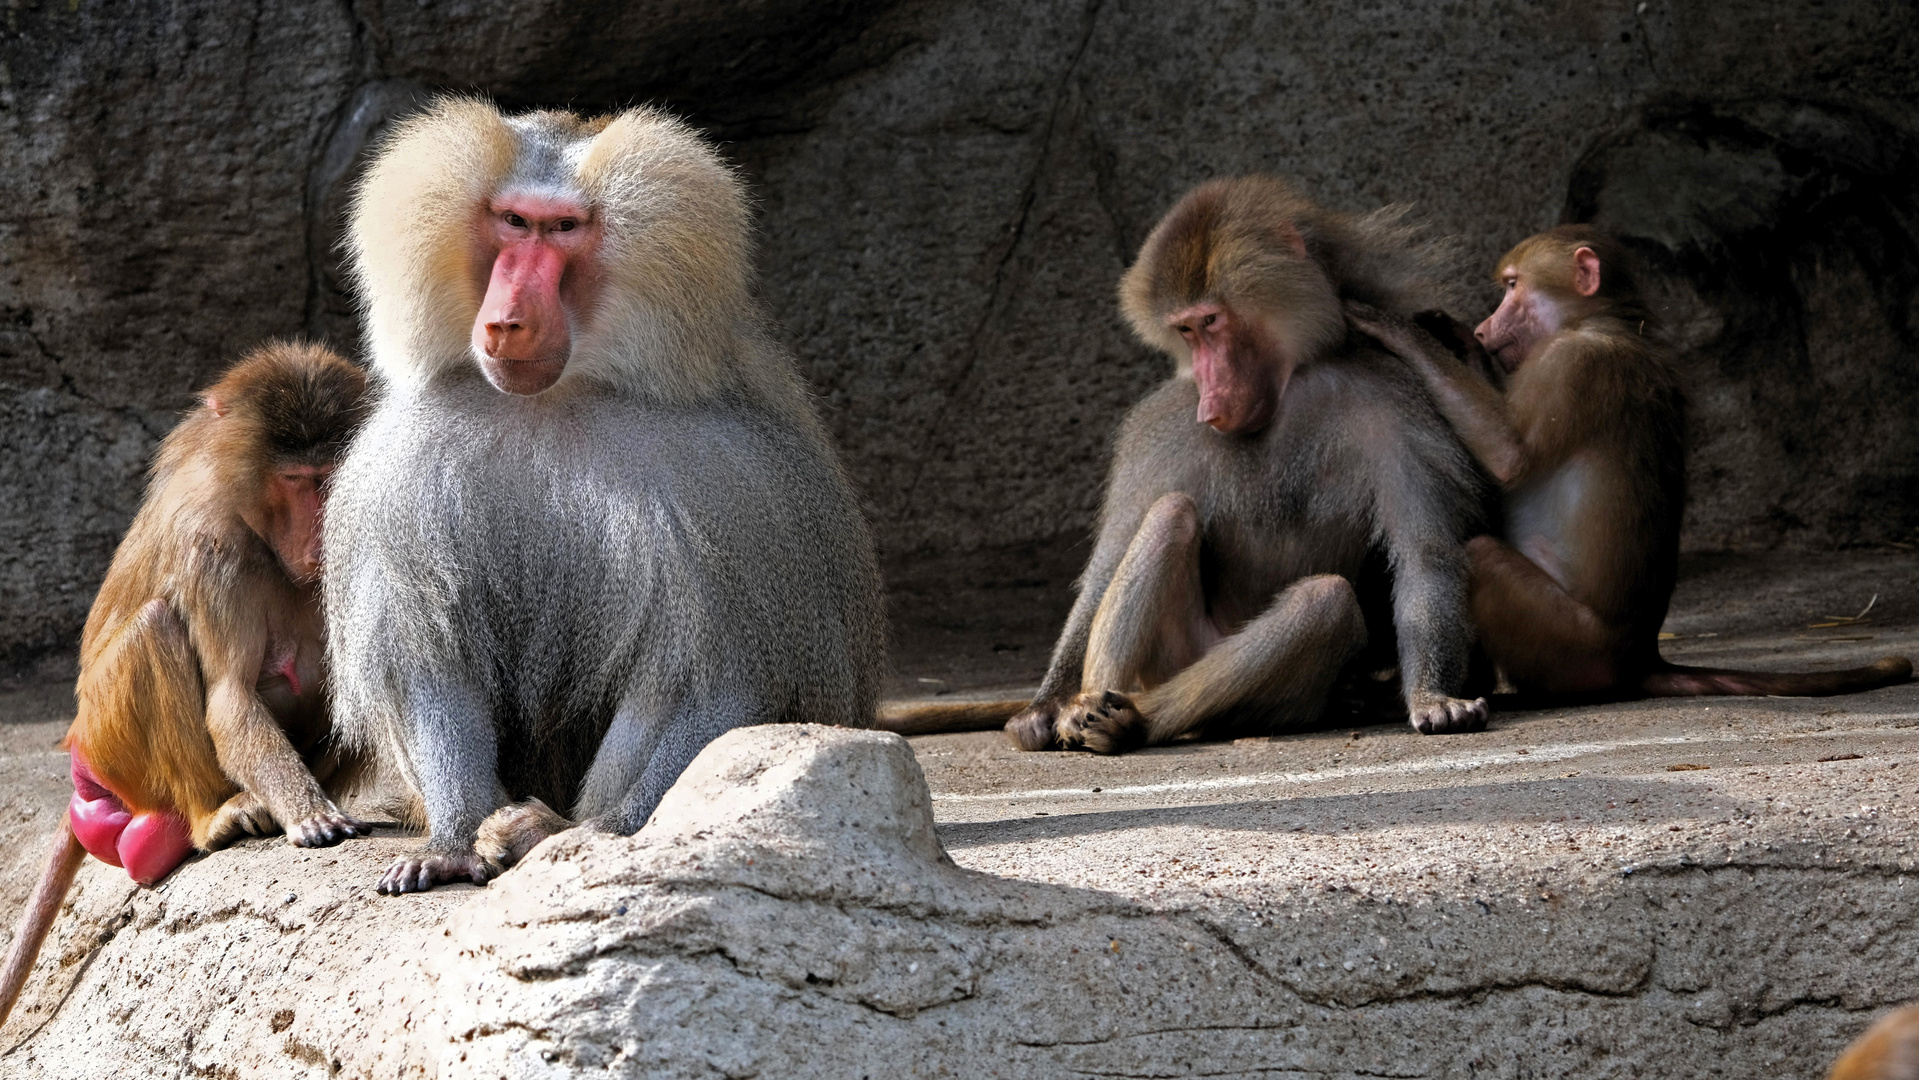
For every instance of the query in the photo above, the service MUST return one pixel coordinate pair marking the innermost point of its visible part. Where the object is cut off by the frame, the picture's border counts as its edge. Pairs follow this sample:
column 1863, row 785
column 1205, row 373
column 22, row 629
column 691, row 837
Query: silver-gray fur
column 1237, row 572
column 1358, row 475
column 567, row 596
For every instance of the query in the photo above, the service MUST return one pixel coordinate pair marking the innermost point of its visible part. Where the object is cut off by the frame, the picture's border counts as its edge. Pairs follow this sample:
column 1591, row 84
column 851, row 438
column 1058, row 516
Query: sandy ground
column 1542, row 793
column 1542, row 798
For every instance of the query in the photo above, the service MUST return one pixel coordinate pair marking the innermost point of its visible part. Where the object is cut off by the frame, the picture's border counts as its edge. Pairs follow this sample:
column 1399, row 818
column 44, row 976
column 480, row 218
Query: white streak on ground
column 1449, row 763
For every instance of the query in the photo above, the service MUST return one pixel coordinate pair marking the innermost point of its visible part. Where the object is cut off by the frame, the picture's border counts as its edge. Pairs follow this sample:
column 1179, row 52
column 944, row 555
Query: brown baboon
column 202, row 712
column 1588, row 441
column 593, row 521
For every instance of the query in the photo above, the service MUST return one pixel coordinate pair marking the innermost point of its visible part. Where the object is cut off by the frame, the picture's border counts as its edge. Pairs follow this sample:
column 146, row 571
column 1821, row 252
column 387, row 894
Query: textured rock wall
column 949, row 192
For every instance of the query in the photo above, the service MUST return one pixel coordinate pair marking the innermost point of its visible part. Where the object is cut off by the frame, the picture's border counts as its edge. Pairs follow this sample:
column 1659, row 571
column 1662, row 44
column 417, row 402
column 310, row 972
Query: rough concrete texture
column 1672, row 889
column 949, row 192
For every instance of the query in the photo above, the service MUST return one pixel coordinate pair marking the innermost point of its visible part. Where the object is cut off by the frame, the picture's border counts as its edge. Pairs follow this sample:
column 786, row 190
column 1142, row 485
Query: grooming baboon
column 1588, row 441
column 593, row 522
column 1289, row 495
column 202, row 705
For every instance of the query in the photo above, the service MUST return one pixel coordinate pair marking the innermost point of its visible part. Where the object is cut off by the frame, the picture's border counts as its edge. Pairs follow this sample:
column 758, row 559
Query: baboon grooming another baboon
column 1588, row 440
column 594, row 521
column 1288, row 478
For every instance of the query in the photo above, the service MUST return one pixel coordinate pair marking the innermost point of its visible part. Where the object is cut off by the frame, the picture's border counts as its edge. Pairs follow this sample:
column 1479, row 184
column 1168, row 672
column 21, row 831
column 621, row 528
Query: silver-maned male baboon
column 593, row 521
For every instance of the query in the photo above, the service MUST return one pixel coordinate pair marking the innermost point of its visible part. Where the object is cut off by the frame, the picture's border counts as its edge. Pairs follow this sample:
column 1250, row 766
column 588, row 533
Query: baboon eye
column 1211, row 319
column 566, row 224
column 1184, row 329
column 515, row 220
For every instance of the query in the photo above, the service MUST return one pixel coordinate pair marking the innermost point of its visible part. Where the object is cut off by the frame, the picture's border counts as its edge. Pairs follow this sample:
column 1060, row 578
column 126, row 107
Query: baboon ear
column 218, row 406
column 1585, row 271
column 1291, row 238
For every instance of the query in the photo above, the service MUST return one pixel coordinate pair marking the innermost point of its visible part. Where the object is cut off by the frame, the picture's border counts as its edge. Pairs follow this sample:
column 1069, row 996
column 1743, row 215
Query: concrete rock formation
column 789, row 911
column 949, row 192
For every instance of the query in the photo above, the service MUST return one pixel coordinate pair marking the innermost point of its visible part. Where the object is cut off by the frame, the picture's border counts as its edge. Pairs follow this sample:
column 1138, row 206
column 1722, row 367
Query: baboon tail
column 62, row 863
column 1673, row 680
column 909, row 718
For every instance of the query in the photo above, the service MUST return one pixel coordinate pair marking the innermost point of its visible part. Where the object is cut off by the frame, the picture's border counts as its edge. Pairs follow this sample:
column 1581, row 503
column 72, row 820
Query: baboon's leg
column 1278, row 669
column 1541, row 637
column 1152, row 621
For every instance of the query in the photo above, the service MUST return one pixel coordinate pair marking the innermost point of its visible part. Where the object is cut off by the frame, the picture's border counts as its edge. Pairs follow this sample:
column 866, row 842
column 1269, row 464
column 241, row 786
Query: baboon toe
column 327, row 829
column 1450, row 716
column 418, row 873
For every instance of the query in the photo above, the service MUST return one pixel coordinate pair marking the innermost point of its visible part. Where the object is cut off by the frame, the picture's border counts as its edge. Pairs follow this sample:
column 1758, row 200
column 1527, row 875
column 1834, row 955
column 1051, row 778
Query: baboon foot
column 418, row 873
column 242, row 815
column 511, row 831
column 326, row 829
column 246, row 815
column 1103, row 721
column 1437, row 714
column 1034, row 728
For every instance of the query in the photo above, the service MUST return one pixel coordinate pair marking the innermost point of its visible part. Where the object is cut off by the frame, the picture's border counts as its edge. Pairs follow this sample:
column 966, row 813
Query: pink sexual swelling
column 153, row 844
column 147, row 845
column 98, row 816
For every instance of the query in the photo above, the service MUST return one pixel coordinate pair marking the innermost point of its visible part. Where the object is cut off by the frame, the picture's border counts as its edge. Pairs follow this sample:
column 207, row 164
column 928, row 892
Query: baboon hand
column 1363, row 314
column 326, row 829
column 242, row 815
column 1103, row 721
column 1392, row 331
column 511, row 831
column 418, row 873
column 1033, row 728
column 1437, row 714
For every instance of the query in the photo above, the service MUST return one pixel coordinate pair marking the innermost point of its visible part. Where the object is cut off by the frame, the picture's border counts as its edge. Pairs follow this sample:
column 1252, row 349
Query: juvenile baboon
column 202, row 702
column 593, row 521
column 1288, row 496
column 1588, row 440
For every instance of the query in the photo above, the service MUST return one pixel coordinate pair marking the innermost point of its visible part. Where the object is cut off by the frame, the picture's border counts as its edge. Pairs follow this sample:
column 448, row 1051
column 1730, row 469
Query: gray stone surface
column 790, row 911
column 1678, row 888
column 949, row 192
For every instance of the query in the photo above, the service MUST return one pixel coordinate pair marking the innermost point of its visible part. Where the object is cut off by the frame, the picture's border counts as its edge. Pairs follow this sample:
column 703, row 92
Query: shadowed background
column 948, row 193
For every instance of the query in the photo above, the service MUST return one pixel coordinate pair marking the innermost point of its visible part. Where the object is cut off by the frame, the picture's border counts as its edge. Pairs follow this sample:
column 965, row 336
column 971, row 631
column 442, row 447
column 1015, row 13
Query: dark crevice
column 934, row 444
column 72, row 388
column 110, row 931
column 1246, row 959
column 812, row 982
column 331, row 314
column 1106, row 182
column 1161, row 1075
column 318, row 181
column 1645, row 44
column 851, row 905
column 1149, row 1033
